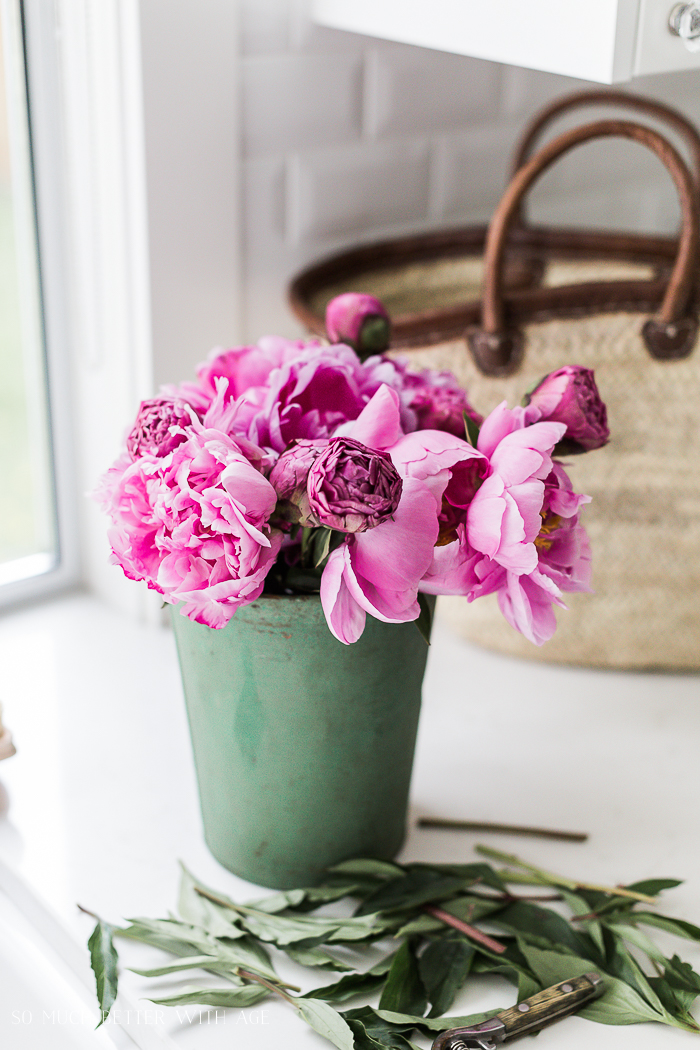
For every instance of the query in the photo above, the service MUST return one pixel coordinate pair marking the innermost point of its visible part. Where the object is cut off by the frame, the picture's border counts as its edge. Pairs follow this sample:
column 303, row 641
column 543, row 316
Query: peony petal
column 397, row 554
column 379, row 423
column 345, row 618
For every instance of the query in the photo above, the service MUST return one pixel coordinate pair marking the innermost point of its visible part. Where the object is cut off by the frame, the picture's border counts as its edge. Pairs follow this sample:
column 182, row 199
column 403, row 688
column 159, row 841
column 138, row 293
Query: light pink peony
column 194, row 524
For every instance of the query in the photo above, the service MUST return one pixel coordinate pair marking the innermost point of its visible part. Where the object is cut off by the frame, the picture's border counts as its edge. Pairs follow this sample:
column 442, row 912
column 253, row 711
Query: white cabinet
column 599, row 40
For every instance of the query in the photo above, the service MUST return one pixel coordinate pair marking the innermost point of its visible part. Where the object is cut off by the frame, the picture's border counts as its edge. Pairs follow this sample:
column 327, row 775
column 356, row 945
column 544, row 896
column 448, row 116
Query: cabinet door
column 599, row 40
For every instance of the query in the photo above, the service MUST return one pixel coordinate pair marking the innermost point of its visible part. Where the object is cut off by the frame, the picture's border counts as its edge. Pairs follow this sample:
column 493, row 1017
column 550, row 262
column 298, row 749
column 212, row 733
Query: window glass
column 28, row 541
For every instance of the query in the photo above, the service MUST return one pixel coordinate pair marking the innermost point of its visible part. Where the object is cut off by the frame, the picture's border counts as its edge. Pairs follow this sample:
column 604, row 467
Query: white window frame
column 134, row 111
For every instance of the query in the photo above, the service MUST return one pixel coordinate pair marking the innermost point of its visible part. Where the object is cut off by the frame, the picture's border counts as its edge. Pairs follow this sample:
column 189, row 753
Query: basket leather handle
column 670, row 333
column 620, row 99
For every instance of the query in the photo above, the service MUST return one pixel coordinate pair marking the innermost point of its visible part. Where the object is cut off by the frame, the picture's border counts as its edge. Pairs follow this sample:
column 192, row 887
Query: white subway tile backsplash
column 475, row 168
column 352, row 191
column 265, row 26
column 411, row 90
column 526, row 90
column 296, row 101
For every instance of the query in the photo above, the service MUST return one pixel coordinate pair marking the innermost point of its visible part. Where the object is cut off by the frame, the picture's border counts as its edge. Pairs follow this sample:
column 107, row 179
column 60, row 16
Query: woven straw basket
column 504, row 306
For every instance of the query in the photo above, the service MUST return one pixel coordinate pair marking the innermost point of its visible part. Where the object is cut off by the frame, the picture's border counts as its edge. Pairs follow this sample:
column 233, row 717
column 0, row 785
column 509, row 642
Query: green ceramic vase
column 303, row 746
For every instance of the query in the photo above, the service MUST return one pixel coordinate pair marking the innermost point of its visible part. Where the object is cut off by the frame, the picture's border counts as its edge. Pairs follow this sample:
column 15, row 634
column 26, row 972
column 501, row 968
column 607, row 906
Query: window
column 28, row 531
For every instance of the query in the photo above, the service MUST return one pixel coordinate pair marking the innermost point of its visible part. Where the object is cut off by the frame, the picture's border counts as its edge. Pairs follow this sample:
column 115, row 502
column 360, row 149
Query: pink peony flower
column 307, row 397
column 159, row 427
column 570, row 396
column 194, row 524
column 526, row 524
column 503, row 519
column 429, row 399
column 378, row 571
column 360, row 321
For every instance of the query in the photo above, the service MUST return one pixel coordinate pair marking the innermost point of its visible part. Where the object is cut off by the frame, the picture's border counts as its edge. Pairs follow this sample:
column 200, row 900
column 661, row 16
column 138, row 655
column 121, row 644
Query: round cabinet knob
column 684, row 21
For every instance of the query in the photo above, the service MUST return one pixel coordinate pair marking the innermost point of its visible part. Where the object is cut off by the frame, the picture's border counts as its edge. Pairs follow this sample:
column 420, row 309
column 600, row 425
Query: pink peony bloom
column 379, row 571
column 307, row 397
column 529, row 575
column 158, row 427
column 503, row 519
column 429, row 399
column 570, row 396
column 194, row 524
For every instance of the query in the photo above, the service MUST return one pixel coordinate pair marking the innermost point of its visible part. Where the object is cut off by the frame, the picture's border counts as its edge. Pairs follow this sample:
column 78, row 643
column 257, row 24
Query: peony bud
column 340, row 483
column 360, row 321
column 570, row 396
column 353, row 488
column 288, row 478
column 151, row 431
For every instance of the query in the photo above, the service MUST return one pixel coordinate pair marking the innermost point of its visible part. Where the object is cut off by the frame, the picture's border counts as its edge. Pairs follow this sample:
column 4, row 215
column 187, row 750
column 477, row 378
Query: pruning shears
column 527, row 1017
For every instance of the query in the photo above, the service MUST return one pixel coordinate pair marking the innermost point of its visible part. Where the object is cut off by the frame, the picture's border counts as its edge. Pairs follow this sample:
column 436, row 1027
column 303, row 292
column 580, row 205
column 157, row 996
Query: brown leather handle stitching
column 490, row 344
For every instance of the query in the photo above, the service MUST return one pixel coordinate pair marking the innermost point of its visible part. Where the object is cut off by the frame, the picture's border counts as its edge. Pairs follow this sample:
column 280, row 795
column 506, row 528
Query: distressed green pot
column 303, row 746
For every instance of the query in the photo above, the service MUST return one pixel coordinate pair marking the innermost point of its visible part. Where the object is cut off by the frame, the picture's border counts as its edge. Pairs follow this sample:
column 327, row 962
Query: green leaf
column 103, row 960
column 326, row 1021
column 433, row 1024
column 550, row 967
column 194, row 962
column 322, row 546
column 477, row 872
column 580, row 906
column 637, row 938
column 353, row 984
column 411, row 890
column 199, row 911
column 424, row 620
column 619, row 1004
column 662, row 922
column 404, row 991
column 471, row 429
column 540, row 925
column 471, row 909
column 421, row 925
column 248, row 995
column 315, row 957
column 652, row 887
column 371, row 1033
column 380, row 869
column 443, row 968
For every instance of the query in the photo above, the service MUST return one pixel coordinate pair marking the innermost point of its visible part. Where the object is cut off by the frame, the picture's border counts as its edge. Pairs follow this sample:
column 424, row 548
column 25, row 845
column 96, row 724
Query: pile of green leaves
column 429, row 960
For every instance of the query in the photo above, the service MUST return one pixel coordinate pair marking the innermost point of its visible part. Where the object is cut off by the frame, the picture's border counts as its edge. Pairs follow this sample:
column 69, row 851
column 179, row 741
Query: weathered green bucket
column 303, row 746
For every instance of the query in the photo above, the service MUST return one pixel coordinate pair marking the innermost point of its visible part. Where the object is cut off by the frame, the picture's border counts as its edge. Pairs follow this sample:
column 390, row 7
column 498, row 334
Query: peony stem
column 549, row 878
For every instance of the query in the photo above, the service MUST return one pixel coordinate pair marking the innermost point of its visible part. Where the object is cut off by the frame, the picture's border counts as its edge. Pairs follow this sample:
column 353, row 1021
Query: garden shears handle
column 527, row 1017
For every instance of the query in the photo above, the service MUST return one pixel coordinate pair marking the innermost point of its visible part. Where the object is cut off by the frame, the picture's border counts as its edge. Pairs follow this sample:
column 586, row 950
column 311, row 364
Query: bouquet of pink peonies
column 301, row 467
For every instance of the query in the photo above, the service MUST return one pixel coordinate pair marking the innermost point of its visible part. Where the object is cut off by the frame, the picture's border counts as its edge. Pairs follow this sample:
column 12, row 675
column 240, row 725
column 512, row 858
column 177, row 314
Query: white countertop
column 102, row 796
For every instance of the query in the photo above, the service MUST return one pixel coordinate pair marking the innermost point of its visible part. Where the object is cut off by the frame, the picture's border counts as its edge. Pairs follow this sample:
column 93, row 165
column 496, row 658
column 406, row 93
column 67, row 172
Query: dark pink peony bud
column 288, row 477
column 360, row 321
column 151, row 431
column 340, row 483
column 570, row 396
column 353, row 488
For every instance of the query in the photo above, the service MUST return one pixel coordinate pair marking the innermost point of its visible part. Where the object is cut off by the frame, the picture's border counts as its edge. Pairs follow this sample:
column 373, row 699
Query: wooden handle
column 548, row 1006
column 494, row 348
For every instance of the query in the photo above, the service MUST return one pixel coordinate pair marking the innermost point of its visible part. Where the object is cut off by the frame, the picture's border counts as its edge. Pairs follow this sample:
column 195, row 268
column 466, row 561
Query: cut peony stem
column 465, row 928
column 548, row 878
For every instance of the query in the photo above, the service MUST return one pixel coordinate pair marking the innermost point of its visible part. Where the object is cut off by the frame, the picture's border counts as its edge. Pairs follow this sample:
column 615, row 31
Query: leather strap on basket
column 671, row 333
column 621, row 100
